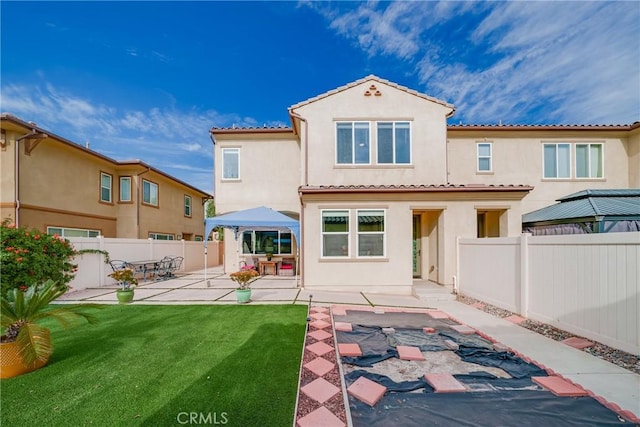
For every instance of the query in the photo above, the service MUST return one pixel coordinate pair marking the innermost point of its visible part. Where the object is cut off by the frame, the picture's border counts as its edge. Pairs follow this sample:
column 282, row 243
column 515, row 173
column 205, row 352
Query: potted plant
column 26, row 345
column 244, row 278
column 127, row 280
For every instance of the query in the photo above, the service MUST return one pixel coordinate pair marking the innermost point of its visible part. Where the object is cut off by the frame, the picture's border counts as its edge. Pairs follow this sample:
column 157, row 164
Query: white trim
column 230, row 150
column 490, row 157
column 347, row 233
column 371, row 233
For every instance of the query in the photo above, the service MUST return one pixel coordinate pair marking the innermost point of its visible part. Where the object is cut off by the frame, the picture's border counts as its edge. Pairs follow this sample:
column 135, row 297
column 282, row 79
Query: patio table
column 144, row 266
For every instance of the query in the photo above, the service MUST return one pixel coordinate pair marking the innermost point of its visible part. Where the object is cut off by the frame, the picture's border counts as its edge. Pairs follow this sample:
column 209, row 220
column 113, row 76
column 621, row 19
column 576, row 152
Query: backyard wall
column 588, row 284
column 93, row 272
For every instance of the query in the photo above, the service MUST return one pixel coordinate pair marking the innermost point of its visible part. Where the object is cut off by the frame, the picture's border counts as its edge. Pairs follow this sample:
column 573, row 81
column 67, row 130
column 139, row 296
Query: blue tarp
column 260, row 218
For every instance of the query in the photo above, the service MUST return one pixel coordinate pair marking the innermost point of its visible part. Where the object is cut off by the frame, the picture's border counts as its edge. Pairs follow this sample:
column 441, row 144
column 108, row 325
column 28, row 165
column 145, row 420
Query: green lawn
column 166, row 365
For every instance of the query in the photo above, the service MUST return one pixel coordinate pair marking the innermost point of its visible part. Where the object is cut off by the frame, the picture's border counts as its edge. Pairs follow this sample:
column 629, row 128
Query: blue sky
column 147, row 80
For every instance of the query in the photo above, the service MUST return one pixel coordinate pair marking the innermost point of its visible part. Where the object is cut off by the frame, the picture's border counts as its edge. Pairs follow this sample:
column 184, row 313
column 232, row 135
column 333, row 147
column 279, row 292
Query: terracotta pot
column 11, row 363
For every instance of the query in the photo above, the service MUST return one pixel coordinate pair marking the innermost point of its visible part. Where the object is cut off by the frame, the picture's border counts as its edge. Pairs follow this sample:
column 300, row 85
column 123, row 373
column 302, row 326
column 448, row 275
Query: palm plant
column 21, row 309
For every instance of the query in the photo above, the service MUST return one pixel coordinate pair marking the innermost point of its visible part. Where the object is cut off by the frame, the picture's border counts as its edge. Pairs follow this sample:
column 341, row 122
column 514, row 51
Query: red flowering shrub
column 31, row 257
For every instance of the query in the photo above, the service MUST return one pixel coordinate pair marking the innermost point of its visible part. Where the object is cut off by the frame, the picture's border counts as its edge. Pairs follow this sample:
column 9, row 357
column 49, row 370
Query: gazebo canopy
column 260, row 218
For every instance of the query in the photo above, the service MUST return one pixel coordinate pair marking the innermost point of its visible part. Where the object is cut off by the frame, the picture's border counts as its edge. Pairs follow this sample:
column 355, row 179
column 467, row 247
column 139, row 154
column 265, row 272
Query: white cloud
column 174, row 141
column 546, row 62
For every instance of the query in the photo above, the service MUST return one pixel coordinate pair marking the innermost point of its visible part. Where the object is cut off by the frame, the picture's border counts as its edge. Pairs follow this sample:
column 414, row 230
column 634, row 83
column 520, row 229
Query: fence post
column 524, row 274
column 101, row 269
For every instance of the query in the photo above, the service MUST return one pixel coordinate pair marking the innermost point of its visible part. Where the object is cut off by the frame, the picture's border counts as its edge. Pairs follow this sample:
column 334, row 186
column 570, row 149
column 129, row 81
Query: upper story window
column 72, row 232
column 125, row 188
column 352, row 143
column 587, row 157
column 557, row 160
column 484, row 153
column 230, row 163
column 106, row 182
column 161, row 236
column 371, row 233
column 149, row 193
column 394, row 142
column 187, row 205
column 589, row 161
column 335, row 233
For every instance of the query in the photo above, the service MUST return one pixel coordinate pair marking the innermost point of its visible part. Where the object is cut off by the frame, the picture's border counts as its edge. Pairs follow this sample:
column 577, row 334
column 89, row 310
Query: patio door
column 417, row 246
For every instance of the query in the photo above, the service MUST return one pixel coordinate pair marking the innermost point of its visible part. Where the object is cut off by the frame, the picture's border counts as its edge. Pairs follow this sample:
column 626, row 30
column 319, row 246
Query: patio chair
column 287, row 267
column 249, row 262
column 117, row 264
column 176, row 263
column 163, row 271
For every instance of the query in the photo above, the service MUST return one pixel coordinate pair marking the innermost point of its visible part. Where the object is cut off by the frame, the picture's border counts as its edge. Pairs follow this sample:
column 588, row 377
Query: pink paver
column 320, row 390
column 514, row 318
column 321, row 417
column 320, row 334
column 339, row 311
column 444, row 383
column 578, row 343
column 406, row 352
column 319, row 348
column 319, row 366
column 319, row 316
column 463, row 329
column 429, row 330
column 478, row 305
column 437, row 314
column 370, row 392
column 560, row 386
column 343, row 326
column 349, row 349
column 318, row 309
column 320, row 324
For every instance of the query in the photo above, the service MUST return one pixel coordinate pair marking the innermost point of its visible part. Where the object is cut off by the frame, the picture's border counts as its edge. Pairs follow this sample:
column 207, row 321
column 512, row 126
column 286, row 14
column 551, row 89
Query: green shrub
column 31, row 257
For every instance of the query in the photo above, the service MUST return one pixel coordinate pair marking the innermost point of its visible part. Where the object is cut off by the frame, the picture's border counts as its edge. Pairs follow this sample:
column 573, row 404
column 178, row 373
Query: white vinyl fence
column 93, row 272
column 587, row 284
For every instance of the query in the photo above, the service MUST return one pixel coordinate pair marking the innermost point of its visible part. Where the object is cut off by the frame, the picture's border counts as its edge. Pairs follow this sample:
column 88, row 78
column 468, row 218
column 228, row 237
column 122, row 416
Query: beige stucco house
column 57, row 186
column 383, row 187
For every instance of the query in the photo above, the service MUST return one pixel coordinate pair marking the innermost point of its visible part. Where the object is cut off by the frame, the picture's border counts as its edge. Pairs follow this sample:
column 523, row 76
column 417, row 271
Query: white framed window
column 161, row 236
column 353, row 143
column 72, row 232
column 106, row 185
column 187, row 205
column 557, row 160
column 335, row 233
column 371, row 232
column 484, row 151
column 394, row 142
column 125, row 188
column 230, row 163
column 589, row 161
column 149, row 193
column 266, row 241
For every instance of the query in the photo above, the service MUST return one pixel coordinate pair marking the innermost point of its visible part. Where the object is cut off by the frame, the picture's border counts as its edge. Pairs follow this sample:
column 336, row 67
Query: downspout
column 17, row 183
column 213, row 141
column 138, row 202
column 305, row 183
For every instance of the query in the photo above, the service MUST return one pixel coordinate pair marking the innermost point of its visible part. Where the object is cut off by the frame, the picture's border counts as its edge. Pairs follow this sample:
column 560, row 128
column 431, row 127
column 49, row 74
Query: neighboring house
column 587, row 211
column 384, row 187
column 57, row 186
